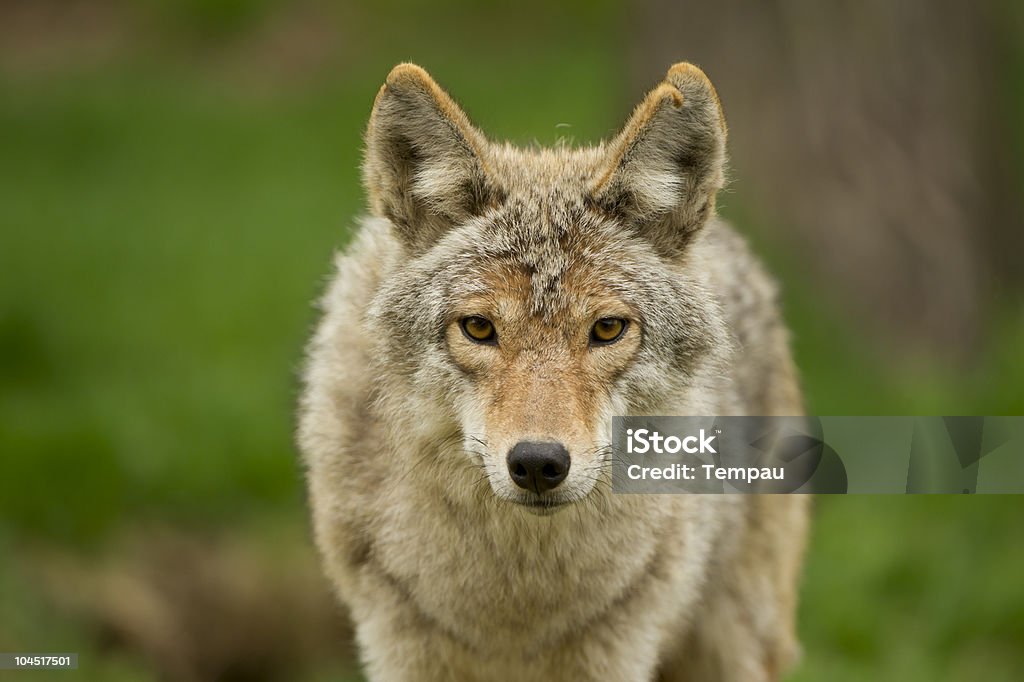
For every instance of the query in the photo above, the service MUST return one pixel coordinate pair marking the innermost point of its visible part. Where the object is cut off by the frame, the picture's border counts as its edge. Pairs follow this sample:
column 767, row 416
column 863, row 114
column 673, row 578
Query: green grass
column 914, row 588
column 157, row 271
column 162, row 238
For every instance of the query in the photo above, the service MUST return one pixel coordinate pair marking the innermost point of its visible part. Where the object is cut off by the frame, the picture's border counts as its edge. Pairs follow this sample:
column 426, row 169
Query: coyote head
column 541, row 291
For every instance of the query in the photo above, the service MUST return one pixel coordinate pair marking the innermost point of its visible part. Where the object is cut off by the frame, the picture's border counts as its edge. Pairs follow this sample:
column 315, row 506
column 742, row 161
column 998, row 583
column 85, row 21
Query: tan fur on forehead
column 575, row 276
column 501, row 289
column 545, row 171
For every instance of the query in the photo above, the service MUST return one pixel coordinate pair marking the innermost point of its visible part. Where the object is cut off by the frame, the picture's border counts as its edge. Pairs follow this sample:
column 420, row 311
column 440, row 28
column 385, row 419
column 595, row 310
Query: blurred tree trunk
column 873, row 133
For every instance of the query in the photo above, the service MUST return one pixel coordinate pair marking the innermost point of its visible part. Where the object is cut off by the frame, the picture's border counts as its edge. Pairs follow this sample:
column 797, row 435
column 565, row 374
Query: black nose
column 538, row 466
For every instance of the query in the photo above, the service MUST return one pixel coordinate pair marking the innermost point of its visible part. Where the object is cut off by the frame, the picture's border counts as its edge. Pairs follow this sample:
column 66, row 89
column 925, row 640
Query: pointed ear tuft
column 664, row 169
column 424, row 166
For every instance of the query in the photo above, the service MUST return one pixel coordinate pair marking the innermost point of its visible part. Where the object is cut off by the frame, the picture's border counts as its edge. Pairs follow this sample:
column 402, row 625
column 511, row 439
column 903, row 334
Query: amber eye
column 478, row 329
column 607, row 330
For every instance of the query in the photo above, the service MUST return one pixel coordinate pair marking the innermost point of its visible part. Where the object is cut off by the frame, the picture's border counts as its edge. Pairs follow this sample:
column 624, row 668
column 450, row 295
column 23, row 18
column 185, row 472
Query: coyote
column 492, row 314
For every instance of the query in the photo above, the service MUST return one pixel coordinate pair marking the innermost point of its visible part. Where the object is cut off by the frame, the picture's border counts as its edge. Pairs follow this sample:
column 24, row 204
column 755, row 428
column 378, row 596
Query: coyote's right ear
column 662, row 172
column 423, row 168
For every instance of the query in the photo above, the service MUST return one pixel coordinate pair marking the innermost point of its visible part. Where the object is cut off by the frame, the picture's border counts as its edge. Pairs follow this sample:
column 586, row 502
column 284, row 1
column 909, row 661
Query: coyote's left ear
column 663, row 170
column 423, row 168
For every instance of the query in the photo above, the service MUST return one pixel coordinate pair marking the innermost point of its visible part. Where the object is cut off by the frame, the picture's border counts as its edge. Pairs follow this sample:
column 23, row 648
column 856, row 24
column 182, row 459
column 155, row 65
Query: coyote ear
column 423, row 167
column 663, row 170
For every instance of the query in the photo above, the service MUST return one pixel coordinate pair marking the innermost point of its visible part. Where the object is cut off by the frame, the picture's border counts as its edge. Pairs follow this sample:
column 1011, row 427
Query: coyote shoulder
column 492, row 314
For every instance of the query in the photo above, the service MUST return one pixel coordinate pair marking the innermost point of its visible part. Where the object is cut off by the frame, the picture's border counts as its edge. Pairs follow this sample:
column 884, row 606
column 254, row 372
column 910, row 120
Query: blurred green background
column 174, row 177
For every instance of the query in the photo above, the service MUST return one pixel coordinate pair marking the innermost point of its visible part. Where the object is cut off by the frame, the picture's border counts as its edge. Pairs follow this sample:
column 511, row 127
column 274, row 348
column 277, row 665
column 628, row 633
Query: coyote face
column 544, row 291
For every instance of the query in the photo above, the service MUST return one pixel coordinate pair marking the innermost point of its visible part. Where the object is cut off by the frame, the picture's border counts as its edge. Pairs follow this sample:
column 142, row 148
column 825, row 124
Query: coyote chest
column 498, row 580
